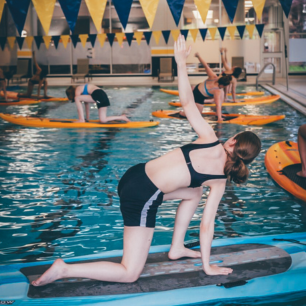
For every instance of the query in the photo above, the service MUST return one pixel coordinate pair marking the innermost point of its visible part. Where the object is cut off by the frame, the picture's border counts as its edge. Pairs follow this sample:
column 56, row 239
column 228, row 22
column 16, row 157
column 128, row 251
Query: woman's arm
column 219, row 98
column 38, row 69
column 224, row 59
column 234, row 84
column 209, row 71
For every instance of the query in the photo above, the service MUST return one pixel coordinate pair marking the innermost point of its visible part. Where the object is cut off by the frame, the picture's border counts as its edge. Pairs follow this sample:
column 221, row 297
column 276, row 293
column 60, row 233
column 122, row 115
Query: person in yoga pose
column 89, row 93
column 179, row 174
column 3, row 84
column 302, row 149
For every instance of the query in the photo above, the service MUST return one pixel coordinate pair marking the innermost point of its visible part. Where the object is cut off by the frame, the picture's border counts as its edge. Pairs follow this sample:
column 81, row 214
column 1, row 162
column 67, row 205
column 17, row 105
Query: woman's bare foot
column 125, row 118
column 183, row 252
column 80, row 120
column 301, row 174
column 216, row 270
column 56, row 271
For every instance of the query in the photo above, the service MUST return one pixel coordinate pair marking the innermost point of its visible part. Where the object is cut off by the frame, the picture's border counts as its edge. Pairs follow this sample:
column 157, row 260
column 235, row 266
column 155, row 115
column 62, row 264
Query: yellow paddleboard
column 247, row 93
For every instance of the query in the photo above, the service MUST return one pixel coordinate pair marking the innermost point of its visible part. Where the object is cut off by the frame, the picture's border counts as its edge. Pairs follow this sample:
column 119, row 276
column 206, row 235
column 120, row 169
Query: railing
column 262, row 70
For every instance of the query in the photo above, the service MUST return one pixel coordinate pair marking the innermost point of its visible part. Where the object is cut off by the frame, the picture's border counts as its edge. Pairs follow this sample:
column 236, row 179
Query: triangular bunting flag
column 19, row 11
column 44, row 10
column 250, row 28
column 2, row 42
column 83, row 39
column 101, row 38
column 147, row 36
column 92, row 39
column 111, row 37
column 185, row 33
column 1, row 9
column 149, row 8
column 96, row 10
column 38, row 41
column 123, row 9
column 71, row 10
column 175, row 34
column 11, row 41
column 129, row 37
column 138, row 36
column 203, row 33
column 157, row 35
column 56, row 40
column 74, row 39
column 176, row 8
column 258, row 7
column 222, row 32
column 65, row 40
column 20, row 42
column 29, row 41
column 166, row 35
column 230, row 7
column 203, row 8
column 194, row 33
column 260, row 28
column 120, row 37
column 231, row 30
column 286, row 5
column 212, row 32
column 47, row 40
column 240, row 30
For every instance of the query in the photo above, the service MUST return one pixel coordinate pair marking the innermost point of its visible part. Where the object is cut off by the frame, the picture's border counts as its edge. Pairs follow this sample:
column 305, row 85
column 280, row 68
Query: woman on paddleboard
column 3, row 84
column 89, row 93
column 179, row 174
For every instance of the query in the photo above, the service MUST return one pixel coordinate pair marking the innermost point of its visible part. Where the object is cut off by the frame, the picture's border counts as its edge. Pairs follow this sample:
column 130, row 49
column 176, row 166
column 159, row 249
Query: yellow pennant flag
column 194, row 33
column 138, row 35
column 44, row 10
column 83, row 39
column 1, row 8
column 11, row 41
column 65, row 39
column 96, row 10
column 149, row 8
column 212, row 32
column 250, row 28
column 101, row 38
column 231, row 31
column 156, row 35
column 29, row 40
column 120, row 37
column 175, row 34
column 47, row 40
column 258, row 7
column 203, row 8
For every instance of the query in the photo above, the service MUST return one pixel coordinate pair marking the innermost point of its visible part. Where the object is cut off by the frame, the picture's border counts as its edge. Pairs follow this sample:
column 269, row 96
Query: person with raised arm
column 179, row 174
column 3, row 84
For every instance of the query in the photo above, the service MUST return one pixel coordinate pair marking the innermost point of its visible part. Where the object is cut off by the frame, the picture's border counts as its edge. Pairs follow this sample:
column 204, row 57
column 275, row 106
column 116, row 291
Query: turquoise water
column 58, row 186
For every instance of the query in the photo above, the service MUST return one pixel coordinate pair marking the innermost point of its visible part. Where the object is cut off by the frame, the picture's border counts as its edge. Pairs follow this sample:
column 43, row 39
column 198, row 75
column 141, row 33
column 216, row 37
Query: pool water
column 58, row 186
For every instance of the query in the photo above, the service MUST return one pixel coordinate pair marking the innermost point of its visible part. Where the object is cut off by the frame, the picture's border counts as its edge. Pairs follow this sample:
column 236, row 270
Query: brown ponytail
column 70, row 92
column 225, row 80
column 246, row 148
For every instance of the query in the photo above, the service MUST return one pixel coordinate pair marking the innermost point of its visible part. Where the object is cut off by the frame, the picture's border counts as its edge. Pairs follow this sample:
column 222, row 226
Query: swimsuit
column 140, row 198
column 198, row 96
column 208, row 93
column 85, row 90
column 98, row 95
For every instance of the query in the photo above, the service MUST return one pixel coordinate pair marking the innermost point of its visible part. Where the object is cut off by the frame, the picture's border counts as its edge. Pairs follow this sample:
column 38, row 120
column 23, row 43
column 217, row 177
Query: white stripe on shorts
column 144, row 212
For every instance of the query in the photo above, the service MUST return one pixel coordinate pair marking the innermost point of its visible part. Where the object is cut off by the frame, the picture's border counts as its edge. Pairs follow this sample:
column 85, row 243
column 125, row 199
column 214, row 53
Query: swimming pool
column 58, row 186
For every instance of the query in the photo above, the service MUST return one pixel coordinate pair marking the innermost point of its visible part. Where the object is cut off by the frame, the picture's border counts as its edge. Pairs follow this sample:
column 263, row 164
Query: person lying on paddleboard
column 179, row 174
column 89, row 93
column 302, row 149
column 3, row 84
column 234, row 72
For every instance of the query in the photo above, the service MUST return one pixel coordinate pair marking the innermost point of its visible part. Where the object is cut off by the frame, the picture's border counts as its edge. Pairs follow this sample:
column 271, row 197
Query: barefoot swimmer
column 179, row 174
column 90, row 93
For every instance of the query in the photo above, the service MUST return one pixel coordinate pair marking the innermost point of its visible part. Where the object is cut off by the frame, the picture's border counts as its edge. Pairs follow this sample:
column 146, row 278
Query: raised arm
column 38, row 69
column 209, row 71
column 201, row 127
column 224, row 59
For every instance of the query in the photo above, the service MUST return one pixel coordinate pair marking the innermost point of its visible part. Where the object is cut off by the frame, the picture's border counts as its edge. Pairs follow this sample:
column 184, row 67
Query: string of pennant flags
column 96, row 8
column 137, row 35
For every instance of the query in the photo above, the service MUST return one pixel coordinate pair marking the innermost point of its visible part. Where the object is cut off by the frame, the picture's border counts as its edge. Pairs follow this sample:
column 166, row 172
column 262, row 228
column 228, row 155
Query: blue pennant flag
column 111, row 37
column 230, row 7
column 56, row 40
column 222, row 32
column 20, row 42
column 240, row 30
column 260, row 28
column 38, row 41
column 74, row 39
column 19, row 11
column 92, row 39
column 166, row 35
column 2, row 42
column 70, row 9
column 185, row 33
column 176, row 8
column 147, row 36
column 203, row 33
column 286, row 5
column 123, row 9
column 129, row 37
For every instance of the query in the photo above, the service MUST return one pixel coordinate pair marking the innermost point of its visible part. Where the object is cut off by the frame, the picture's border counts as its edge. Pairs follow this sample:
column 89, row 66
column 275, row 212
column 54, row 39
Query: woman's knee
column 302, row 131
column 131, row 276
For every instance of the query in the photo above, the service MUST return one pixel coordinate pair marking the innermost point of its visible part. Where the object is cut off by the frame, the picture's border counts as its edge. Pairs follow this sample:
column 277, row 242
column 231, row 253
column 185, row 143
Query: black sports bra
column 197, row 179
